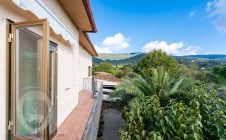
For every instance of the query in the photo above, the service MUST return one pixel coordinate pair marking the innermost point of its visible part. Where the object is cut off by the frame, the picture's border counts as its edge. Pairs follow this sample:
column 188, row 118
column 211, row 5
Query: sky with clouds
column 179, row 27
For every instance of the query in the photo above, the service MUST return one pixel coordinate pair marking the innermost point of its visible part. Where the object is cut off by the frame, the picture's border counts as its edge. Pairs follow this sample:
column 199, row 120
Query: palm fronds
column 157, row 83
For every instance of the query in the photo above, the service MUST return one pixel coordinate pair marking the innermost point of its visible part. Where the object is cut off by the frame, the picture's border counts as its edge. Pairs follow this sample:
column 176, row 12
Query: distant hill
column 113, row 56
column 132, row 58
column 208, row 57
column 118, row 59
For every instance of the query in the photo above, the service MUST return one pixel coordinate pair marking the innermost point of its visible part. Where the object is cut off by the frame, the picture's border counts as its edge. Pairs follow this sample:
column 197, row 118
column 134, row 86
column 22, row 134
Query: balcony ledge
column 74, row 125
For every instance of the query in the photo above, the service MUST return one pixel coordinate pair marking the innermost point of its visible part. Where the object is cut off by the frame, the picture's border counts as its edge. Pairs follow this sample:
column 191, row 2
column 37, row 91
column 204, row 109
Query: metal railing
column 91, row 130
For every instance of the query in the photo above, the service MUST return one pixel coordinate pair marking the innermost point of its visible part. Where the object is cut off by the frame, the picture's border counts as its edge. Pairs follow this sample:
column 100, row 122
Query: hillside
column 113, row 56
column 119, row 59
column 210, row 57
column 132, row 58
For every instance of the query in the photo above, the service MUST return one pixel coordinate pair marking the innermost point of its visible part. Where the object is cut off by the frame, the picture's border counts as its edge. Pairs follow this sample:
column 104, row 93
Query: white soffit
column 38, row 8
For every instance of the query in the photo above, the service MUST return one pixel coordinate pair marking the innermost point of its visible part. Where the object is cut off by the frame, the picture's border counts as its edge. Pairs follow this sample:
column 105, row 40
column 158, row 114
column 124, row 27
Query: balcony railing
column 92, row 84
column 91, row 130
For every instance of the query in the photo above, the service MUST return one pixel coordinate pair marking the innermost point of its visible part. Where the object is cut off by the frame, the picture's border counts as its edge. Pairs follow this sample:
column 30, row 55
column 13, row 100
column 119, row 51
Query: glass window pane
column 28, row 77
column 52, row 88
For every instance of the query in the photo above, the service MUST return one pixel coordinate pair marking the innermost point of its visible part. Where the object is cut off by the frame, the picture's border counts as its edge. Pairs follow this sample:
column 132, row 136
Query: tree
column 104, row 67
column 126, row 69
column 220, row 71
column 123, row 70
column 193, row 72
column 155, row 59
column 218, row 75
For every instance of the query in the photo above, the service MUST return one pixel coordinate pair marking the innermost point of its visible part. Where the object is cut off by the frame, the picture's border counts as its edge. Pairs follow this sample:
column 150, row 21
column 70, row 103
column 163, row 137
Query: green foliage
column 148, row 120
column 202, row 118
column 169, row 108
column 160, row 104
column 118, row 71
column 213, row 112
column 122, row 71
column 160, row 83
column 218, row 75
column 193, row 72
column 221, row 71
column 155, row 59
column 104, row 67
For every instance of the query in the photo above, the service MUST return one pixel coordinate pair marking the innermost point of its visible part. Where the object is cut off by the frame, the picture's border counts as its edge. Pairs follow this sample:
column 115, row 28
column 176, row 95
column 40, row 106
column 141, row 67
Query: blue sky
column 180, row 27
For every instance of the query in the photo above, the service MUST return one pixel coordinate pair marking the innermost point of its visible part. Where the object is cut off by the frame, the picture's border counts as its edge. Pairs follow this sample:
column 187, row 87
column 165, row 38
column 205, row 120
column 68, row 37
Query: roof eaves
column 91, row 44
column 87, row 6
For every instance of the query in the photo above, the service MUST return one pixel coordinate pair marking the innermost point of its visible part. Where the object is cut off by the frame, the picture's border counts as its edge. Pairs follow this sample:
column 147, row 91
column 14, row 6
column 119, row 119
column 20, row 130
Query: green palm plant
column 157, row 83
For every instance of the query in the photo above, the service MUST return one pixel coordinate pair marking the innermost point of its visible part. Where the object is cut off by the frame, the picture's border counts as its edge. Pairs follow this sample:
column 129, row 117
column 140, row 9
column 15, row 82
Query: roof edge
column 87, row 6
column 91, row 44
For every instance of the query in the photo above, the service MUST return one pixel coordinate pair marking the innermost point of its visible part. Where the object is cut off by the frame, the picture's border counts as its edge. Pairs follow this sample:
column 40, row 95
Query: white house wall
column 85, row 60
column 67, row 66
column 55, row 7
column 67, row 83
column 73, row 62
column 56, row 16
column 2, row 80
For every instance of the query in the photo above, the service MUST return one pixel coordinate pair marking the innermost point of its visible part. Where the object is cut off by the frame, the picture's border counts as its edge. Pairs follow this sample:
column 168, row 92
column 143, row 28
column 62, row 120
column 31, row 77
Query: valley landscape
column 181, row 90
column 208, row 61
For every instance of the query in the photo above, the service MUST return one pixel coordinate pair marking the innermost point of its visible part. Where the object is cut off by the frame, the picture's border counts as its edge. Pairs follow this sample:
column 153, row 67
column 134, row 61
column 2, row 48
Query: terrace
column 83, row 121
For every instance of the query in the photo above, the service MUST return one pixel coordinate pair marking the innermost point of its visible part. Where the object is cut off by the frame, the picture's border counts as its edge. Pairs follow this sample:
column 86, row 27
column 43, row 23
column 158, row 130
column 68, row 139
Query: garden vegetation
column 163, row 103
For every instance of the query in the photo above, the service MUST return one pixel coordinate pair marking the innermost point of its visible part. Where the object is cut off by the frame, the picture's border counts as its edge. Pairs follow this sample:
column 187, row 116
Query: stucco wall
column 2, row 80
column 73, row 62
column 55, row 7
column 67, row 81
column 85, row 60
column 68, row 90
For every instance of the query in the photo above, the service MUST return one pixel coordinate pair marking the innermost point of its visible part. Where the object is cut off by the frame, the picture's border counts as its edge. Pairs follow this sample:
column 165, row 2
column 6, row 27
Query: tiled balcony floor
column 73, row 127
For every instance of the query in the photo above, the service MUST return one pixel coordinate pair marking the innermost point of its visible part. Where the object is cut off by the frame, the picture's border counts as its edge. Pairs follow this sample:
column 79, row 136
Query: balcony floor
column 74, row 125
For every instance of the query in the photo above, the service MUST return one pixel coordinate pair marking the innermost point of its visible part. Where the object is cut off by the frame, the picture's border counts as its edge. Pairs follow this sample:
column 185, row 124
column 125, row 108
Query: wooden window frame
column 45, row 69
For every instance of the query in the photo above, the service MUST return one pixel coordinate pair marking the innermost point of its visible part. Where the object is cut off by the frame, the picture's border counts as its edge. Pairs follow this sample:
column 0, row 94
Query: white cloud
column 176, row 48
column 209, row 5
column 118, row 41
column 113, row 43
column 217, row 11
column 102, row 49
column 191, row 14
column 190, row 50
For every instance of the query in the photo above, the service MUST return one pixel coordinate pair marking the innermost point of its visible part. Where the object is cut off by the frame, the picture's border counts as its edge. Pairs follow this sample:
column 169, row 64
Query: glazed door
column 52, row 88
column 30, row 58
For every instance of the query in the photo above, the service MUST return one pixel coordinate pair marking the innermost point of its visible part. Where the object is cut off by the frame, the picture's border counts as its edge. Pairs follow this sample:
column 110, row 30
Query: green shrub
column 104, row 67
column 202, row 118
